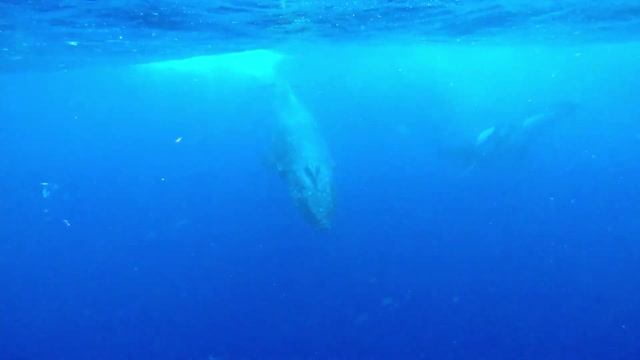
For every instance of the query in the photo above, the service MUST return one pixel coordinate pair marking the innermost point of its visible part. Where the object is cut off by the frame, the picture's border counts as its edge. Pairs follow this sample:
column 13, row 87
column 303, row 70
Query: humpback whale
column 301, row 158
column 299, row 153
column 511, row 140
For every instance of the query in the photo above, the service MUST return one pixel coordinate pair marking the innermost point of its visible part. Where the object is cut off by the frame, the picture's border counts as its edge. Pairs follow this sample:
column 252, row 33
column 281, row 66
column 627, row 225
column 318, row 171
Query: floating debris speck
column 45, row 189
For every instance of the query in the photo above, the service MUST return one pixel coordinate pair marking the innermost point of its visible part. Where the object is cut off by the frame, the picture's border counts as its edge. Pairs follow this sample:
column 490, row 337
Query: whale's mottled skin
column 299, row 153
column 302, row 159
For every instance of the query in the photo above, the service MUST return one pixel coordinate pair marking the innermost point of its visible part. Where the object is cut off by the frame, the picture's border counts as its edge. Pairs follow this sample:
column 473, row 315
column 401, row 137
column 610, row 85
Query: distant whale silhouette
column 511, row 140
column 301, row 157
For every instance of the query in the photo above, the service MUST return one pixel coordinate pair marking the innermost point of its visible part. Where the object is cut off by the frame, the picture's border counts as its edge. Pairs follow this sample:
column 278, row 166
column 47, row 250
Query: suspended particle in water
column 45, row 190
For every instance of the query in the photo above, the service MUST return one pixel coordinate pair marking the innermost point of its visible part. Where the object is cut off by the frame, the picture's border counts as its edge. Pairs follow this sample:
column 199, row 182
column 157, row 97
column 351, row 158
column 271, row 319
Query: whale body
column 511, row 140
column 299, row 153
column 302, row 158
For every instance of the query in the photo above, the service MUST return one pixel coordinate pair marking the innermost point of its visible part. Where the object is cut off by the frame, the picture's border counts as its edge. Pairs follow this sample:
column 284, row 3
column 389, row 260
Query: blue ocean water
column 482, row 164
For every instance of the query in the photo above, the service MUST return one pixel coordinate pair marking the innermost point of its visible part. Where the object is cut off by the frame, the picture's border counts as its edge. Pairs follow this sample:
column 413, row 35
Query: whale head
column 312, row 190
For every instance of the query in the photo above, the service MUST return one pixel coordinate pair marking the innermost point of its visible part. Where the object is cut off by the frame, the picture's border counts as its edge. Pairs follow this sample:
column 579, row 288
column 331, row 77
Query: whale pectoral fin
column 485, row 135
